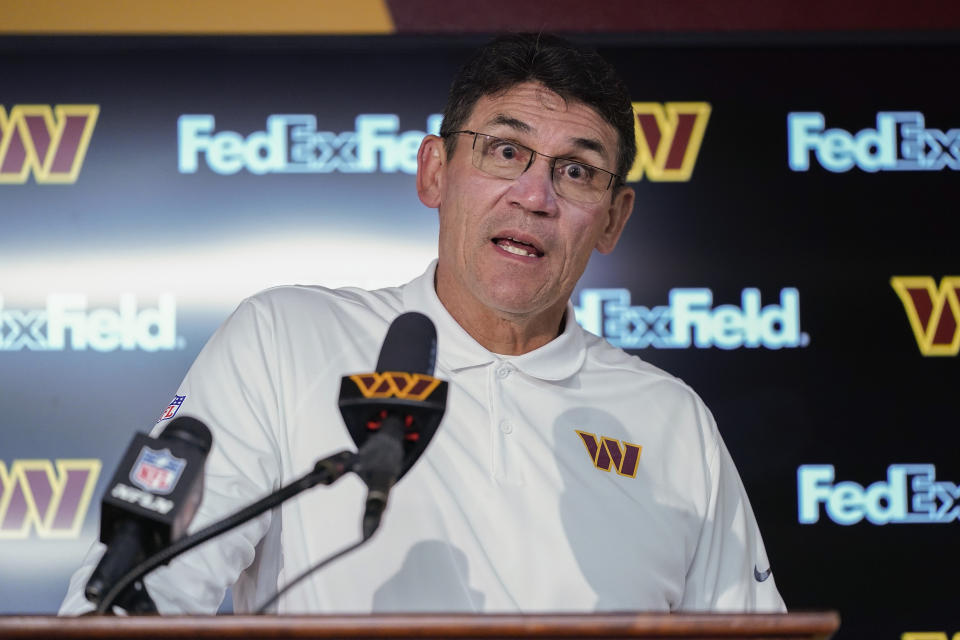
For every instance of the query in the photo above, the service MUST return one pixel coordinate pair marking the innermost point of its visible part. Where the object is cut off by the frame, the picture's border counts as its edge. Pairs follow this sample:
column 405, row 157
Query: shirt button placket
column 507, row 472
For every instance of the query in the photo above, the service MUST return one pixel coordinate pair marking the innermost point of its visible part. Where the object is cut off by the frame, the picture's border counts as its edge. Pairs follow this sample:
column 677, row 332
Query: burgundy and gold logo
column 606, row 452
column 47, row 497
column 934, row 313
column 395, row 384
column 668, row 139
column 49, row 142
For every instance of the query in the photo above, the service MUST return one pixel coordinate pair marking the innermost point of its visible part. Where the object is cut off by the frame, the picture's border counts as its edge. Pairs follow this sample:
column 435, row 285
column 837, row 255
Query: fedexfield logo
column 691, row 320
column 67, row 324
column 291, row 143
column 49, row 142
column 668, row 139
column 934, row 313
column 46, row 497
column 910, row 495
column 901, row 142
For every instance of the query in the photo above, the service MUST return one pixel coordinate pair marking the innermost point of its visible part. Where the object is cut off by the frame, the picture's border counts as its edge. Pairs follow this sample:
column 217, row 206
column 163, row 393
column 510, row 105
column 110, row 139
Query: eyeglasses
column 572, row 180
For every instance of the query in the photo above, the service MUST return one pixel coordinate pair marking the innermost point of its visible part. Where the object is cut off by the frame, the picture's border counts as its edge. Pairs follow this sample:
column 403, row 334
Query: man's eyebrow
column 590, row 144
column 587, row 144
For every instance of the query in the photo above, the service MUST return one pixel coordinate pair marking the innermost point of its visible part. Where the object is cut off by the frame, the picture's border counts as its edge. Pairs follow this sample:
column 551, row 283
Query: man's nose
column 534, row 190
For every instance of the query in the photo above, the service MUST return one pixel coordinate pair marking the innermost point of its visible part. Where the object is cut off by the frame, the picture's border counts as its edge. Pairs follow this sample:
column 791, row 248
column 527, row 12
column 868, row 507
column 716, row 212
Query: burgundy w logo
column 53, row 502
column 934, row 313
column 51, row 143
column 668, row 139
column 605, row 452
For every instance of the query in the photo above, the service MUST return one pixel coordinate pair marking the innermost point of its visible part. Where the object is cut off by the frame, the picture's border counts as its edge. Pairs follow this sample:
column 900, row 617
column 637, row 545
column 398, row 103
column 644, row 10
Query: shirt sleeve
column 730, row 570
column 232, row 388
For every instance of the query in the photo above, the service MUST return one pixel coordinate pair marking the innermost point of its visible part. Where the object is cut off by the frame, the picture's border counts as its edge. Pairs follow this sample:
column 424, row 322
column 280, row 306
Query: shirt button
column 506, row 427
column 504, row 371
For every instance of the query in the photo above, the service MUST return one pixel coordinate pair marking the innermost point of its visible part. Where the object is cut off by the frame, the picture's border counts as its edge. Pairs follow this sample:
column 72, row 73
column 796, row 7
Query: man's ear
column 431, row 162
column 621, row 206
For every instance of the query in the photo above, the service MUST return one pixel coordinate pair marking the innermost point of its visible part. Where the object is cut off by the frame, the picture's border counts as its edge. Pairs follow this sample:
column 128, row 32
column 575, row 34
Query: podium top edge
column 812, row 625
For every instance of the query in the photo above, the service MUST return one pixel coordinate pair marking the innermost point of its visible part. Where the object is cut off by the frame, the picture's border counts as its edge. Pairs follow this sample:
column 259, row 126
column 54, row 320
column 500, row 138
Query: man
column 512, row 508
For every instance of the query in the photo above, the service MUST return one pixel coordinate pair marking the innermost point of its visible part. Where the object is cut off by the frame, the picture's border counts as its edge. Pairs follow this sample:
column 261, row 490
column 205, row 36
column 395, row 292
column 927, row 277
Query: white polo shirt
column 571, row 478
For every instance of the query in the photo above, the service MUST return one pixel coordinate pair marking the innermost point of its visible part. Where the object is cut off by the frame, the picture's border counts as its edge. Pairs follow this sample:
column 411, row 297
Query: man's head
column 522, row 180
column 574, row 74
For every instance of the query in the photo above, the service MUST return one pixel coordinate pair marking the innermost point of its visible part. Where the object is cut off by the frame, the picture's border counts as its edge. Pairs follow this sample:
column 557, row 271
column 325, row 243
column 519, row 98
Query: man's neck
column 497, row 331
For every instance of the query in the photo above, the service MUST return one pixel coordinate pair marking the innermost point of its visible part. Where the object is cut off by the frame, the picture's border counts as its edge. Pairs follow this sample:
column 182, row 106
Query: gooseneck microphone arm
column 379, row 463
column 326, row 472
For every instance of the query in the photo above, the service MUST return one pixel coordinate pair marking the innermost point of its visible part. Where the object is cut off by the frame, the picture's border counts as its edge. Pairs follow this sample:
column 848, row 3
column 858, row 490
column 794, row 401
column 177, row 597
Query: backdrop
column 792, row 256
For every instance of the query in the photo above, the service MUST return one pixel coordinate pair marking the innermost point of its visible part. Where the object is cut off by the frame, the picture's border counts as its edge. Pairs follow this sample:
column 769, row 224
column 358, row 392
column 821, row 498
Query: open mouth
column 518, row 247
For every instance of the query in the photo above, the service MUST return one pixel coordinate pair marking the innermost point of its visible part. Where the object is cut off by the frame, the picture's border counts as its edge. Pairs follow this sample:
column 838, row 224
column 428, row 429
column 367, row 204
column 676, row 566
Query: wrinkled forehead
column 538, row 115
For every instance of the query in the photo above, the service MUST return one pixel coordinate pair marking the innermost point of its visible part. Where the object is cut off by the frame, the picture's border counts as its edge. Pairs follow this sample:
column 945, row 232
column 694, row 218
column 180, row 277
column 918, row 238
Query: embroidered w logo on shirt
column 606, row 452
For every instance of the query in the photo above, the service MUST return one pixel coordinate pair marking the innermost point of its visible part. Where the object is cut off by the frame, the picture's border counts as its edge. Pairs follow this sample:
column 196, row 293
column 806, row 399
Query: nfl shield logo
column 157, row 471
column 172, row 408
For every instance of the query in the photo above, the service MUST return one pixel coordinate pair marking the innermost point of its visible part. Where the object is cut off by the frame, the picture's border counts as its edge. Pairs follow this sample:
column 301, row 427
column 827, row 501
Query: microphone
column 392, row 414
column 150, row 501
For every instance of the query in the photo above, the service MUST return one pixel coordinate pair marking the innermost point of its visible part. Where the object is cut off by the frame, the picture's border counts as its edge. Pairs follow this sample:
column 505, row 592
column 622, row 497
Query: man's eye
column 503, row 150
column 578, row 172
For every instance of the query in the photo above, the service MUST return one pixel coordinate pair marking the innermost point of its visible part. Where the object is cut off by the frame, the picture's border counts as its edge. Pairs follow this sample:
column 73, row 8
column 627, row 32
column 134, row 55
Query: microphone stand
column 136, row 600
column 325, row 472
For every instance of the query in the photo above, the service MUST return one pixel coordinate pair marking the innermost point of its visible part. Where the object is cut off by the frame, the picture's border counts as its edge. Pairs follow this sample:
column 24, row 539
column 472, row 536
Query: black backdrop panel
column 768, row 289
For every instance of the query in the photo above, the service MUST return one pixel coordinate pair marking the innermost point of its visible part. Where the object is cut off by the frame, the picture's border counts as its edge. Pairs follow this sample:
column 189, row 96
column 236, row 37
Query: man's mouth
column 518, row 247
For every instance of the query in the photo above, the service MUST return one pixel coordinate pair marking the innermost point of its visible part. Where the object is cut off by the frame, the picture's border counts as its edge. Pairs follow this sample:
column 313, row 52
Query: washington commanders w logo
column 52, row 502
column 51, row 143
column 395, row 384
column 934, row 313
column 607, row 452
column 668, row 139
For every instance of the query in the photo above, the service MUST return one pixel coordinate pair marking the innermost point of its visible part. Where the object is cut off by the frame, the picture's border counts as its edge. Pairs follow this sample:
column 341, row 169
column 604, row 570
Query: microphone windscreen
column 410, row 345
column 189, row 430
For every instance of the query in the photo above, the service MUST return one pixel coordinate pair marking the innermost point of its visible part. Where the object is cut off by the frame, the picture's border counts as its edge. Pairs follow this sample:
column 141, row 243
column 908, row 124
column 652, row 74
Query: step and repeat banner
column 794, row 255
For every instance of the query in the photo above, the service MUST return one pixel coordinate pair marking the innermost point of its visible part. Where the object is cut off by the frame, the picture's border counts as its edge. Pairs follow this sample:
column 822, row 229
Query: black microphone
column 393, row 413
column 149, row 503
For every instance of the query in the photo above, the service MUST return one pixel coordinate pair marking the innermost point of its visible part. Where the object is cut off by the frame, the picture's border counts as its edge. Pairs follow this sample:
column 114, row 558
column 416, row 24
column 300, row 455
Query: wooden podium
column 604, row 626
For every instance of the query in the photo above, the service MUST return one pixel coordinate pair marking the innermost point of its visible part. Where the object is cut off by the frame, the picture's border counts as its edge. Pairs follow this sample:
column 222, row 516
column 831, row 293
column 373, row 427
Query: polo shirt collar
column 558, row 359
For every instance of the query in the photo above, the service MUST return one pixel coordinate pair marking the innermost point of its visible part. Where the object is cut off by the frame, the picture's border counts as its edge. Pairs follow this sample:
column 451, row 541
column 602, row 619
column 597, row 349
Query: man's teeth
column 506, row 246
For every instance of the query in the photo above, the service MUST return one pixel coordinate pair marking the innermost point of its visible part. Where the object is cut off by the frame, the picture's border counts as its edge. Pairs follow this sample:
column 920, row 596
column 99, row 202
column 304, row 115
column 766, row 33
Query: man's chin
column 516, row 301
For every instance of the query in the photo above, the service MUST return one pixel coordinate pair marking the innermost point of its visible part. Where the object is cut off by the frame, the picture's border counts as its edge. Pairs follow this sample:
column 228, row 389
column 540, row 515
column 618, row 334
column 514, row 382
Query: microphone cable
column 383, row 453
column 326, row 472
column 307, row 572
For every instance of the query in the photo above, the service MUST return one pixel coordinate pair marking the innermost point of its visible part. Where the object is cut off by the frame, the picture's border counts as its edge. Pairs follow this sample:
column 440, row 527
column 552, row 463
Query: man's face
column 515, row 246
